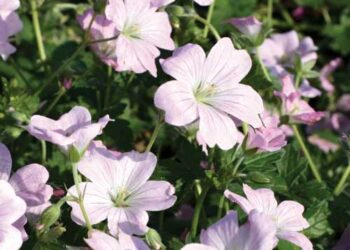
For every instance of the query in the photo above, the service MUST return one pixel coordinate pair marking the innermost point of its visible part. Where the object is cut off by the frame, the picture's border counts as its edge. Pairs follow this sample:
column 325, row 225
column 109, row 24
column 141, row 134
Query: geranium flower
column 10, row 24
column 288, row 215
column 323, row 144
column 101, row 241
column 71, row 129
column 326, row 71
column 207, row 91
column 343, row 104
column 12, row 208
column 258, row 234
column 249, row 26
column 29, row 183
column 119, row 191
column 268, row 138
column 297, row 109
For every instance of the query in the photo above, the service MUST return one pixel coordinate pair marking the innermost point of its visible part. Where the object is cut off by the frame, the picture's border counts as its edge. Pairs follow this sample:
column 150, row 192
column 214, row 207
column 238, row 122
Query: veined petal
column 262, row 199
column 178, row 102
column 10, row 237
column 196, row 246
column 116, row 12
column 290, row 216
column 146, row 53
column 240, row 200
column 101, row 241
column 76, row 118
column 216, row 127
column 296, row 238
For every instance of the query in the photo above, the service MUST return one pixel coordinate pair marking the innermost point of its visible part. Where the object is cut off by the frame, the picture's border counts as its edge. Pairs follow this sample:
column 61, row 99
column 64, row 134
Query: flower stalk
column 198, row 209
column 341, row 184
column 209, row 17
column 155, row 133
column 37, row 30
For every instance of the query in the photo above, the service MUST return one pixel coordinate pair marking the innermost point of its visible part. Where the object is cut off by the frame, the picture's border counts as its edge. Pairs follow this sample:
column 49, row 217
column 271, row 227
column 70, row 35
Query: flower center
column 204, row 92
column 131, row 31
column 120, row 200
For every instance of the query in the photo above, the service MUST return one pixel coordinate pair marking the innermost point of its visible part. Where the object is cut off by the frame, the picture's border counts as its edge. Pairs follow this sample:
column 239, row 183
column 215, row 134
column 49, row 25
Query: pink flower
column 258, row 234
column 298, row 110
column 119, row 191
column 207, row 91
column 71, row 129
column 343, row 103
column 12, row 208
column 326, row 71
column 161, row 3
column 323, row 144
column 288, row 215
column 29, row 183
column 280, row 51
column 140, row 31
column 101, row 241
column 249, row 26
column 268, row 138
column 10, row 24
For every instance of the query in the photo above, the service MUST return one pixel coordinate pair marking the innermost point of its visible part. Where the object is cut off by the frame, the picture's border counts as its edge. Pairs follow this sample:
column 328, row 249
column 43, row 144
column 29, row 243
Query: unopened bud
column 49, row 217
column 154, row 240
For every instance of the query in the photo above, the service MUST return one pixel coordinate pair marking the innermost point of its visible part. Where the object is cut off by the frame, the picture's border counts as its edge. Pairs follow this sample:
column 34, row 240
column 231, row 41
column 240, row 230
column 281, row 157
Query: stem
column 60, row 93
column 297, row 80
column 43, row 151
column 327, row 18
column 155, row 133
column 221, row 207
column 80, row 196
column 211, row 27
column 103, row 40
column 19, row 72
column 108, row 86
column 37, row 30
column 209, row 17
column 262, row 65
column 269, row 12
column 307, row 154
column 197, row 210
column 341, row 184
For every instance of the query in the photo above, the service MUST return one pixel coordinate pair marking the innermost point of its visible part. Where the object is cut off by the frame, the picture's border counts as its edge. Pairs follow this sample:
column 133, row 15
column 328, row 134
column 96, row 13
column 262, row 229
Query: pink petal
column 5, row 163
column 153, row 196
column 204, row 2
column 10, row 237
column 6, row 49
column 225, row 64
column 196, row 246
column 14, row 24
column 7, row 7
column 216, row 128
column 240, row 200
column 160, row 3
column 240, row 101
column 263, row 199
column 101, row 241
column 76, row 118
column 29, row 183
column 289, row 41
column 290, row 216
column 296, row 238
column 19, row 224
column 116, row 12
column 221, row 234
column 178, row 102
column 128, row 220
column 249, row 26
column 186, row 64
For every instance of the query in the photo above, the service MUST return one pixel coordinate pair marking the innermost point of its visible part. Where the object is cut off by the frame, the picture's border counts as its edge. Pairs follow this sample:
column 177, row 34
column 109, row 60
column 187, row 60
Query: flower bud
column 259, row 178
column 73, row 154
column 53, row 234
column 154, row 240
column 50, row 216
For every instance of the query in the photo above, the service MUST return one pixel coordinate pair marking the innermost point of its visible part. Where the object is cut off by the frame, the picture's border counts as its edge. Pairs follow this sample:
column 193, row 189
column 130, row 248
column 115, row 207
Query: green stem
column 307, row 154
column 108, row 86
column 198, row 209
column 155, row 134
column 43, row 151
column 19, row 72
column 327, row 18
column 269, row 12
column 80, row 196
column 221, row 207
column 209, row 17
column 210, row 26
column 60, row 93
column 37, row 30
column 341, row 184
column 262, row 65
column 297, row 80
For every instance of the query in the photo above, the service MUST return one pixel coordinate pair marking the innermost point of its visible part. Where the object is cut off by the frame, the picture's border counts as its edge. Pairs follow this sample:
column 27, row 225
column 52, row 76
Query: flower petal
column 296, row 238
column 5, row 163
column 240, row 200
column 290, row 216
column 262, row 199
column 10, row 237
column 196, row 246
column 177, row 100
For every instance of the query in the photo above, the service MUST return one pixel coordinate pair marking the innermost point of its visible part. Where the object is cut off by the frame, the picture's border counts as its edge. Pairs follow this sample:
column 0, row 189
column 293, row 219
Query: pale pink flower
column 258, row 234
column 323, row 144
column 119, row 190
column 326, row 71
column 207, row 91
column 268, row 138
column 101, row 241
column 29, row 183
column 10, row 24
column 280, row 51
column 12, row 209
column 298, row 110
column 162, row 3
column 71, row 129
column 288, row 215
column 249, row 26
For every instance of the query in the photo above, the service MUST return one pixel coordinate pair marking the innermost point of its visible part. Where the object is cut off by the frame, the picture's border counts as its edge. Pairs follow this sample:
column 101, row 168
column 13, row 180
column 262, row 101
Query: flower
column 323, row 144
column 12, row 208
column 139, row 31
column 343, row 104
column 119, row 190
column 10, row 24
column 268, row 138
column 281, row 50
column 258, row 234
column 71, row 129
column 249, row 26
column 288, row 215
column 29, row 183
column 326, row 71
column 101, row 241
column 162, row 3
column 298, row 110
column 207, row 91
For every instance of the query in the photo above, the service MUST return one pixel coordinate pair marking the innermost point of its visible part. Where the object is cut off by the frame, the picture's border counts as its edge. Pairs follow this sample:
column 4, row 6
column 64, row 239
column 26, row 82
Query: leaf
column 285, row 245
column 263, row 162
column 318, row 219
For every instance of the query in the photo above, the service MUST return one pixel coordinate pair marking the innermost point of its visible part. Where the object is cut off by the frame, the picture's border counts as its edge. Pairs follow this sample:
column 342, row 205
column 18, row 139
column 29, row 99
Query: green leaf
column 317, row 216
column 285, row 245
